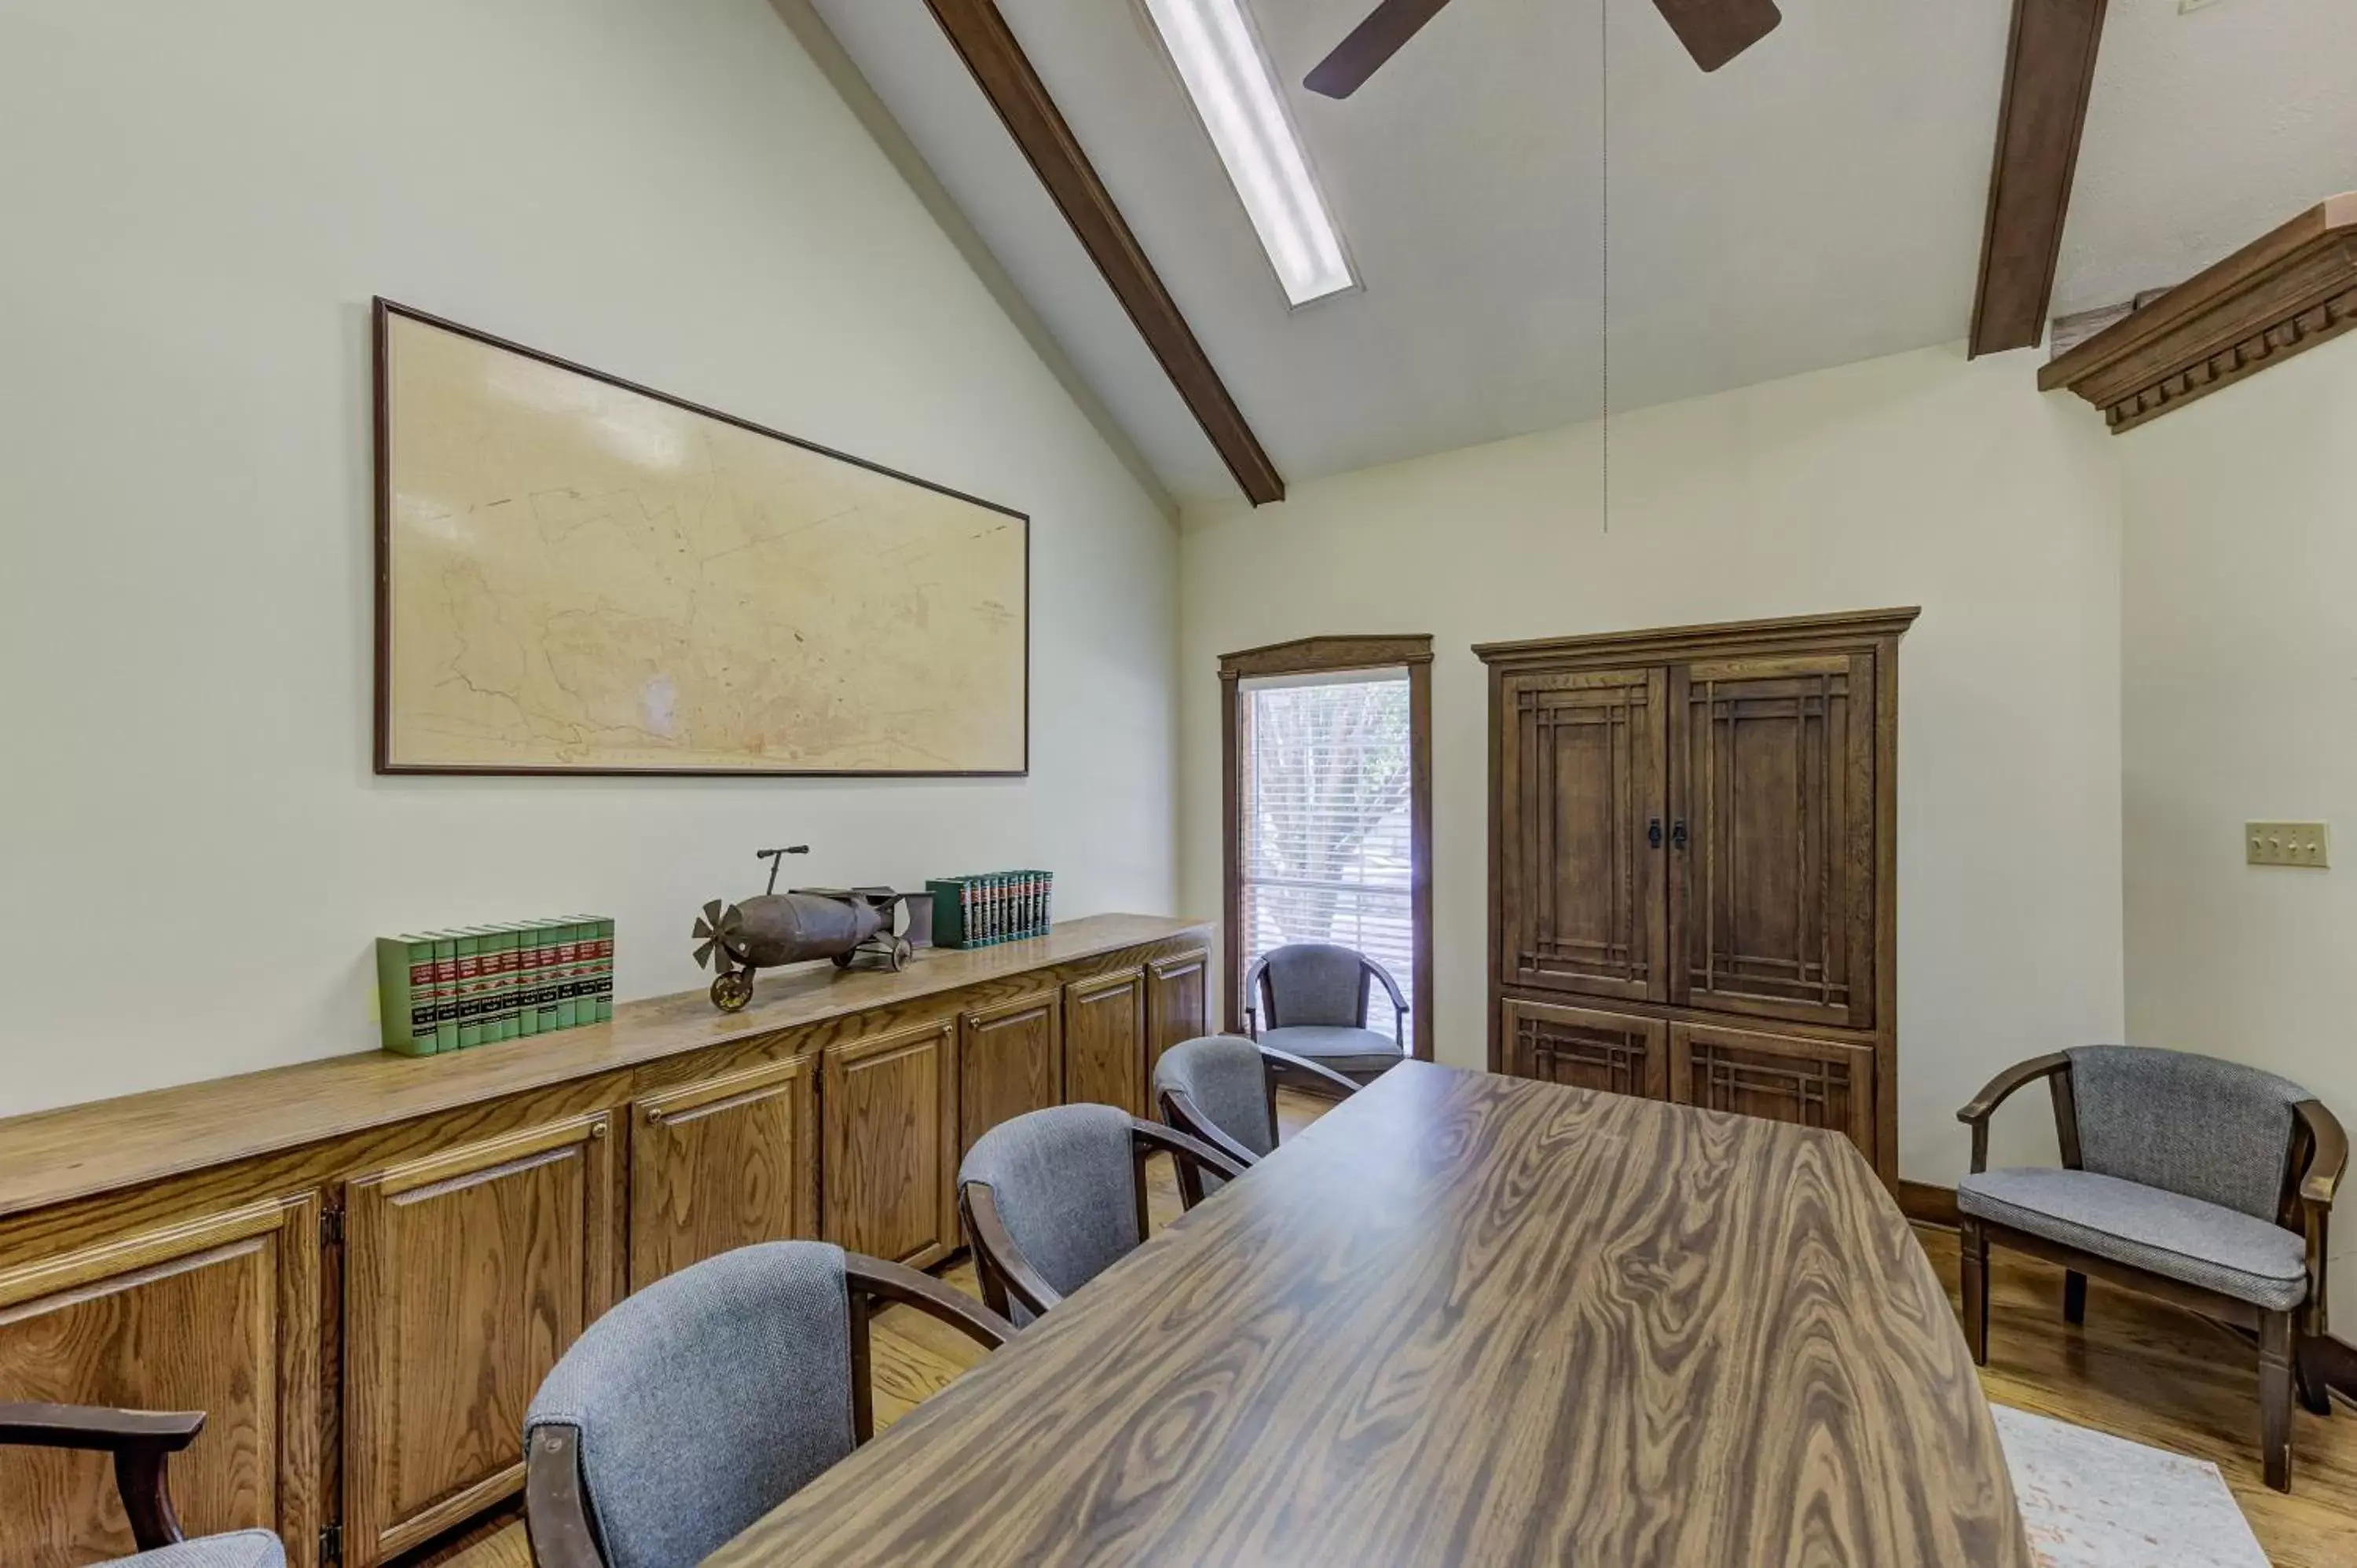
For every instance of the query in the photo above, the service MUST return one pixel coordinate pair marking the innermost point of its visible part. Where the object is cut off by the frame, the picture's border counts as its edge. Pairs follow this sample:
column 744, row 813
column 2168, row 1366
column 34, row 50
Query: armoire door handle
column 1678, row 834
column 1653, row 832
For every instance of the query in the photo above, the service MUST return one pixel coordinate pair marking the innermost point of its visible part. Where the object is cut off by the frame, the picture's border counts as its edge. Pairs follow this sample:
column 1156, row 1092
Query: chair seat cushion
column 2146, row 1228
column 1336, row 1045
column 238, row 1549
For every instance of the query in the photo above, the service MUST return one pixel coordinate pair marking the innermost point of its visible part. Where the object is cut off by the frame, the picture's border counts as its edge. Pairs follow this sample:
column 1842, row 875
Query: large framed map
column 576, row 575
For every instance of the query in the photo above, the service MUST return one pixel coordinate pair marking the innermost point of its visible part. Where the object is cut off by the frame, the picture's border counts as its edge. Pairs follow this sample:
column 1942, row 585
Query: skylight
column 1235, row 89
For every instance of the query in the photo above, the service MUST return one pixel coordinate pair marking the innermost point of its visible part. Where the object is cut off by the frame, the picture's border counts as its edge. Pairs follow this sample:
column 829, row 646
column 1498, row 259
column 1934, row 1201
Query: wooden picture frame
column 1007, row 562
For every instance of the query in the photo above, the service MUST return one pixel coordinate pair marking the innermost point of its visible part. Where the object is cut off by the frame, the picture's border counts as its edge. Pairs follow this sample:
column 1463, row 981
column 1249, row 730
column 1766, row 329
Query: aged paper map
column 581, row 577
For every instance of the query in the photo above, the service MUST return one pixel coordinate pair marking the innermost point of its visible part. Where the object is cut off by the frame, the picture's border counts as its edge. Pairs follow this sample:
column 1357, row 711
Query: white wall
column 2239, row 656
column 1914, row 480
column 198, row 202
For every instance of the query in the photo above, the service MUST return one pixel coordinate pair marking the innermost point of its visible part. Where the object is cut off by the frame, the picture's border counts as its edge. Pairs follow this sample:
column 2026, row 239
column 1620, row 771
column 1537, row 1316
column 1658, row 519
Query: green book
column 500, row 1020
column 604, row 970
column 471, row 987
column 566, row 938
column 544, row 984
column 445, row 991
column 527, row 979
column 404, row 994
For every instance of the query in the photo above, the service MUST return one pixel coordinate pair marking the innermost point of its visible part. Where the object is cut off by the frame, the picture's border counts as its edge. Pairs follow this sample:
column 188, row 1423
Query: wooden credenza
column 363, row 1267
column 1693, row 867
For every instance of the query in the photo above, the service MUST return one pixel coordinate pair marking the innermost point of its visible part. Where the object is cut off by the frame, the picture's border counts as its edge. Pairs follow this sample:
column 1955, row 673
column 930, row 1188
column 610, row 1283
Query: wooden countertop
column 52, row 1157
column 1466, row 1319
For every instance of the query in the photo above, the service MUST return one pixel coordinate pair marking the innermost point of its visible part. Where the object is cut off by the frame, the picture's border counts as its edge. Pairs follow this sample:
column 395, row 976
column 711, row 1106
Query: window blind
column 1324, row 836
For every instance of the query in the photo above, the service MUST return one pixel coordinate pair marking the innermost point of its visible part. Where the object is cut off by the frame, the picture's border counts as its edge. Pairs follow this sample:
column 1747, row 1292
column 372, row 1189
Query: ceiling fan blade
column 1372, row 42
column 1716, row 32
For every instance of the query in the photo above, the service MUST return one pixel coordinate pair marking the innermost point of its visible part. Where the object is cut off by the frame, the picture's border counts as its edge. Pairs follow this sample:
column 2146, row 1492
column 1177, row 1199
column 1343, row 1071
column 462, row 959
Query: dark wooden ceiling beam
column 1005, row 73
column 2050, row 70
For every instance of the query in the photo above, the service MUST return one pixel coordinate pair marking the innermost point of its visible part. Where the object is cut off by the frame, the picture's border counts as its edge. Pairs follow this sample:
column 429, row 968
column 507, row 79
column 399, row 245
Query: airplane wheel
column 732, row 989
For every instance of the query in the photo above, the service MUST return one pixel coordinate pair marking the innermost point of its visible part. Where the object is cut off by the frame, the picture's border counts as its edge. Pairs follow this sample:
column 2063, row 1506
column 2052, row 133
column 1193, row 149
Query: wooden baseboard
column 1927, row 1203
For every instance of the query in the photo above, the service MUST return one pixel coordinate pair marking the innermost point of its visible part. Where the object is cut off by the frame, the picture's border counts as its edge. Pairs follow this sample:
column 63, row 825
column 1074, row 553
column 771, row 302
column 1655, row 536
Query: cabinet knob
column 597, row 1128
column 1678, row 834
column 1653, row 832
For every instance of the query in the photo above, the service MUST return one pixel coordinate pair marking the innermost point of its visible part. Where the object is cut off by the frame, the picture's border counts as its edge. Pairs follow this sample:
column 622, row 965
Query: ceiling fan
column 1714, row 32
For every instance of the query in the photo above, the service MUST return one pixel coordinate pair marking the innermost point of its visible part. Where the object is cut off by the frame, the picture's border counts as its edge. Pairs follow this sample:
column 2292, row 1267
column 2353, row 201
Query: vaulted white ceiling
column 1817, row 201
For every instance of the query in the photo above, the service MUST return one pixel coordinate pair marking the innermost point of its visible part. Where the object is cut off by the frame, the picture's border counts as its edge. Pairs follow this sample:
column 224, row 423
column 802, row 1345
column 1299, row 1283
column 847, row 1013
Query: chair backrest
column 1226, row 1081
column 707, row 1398
column 1065, row 1183
column 1315, row 983
column 2191, row 1125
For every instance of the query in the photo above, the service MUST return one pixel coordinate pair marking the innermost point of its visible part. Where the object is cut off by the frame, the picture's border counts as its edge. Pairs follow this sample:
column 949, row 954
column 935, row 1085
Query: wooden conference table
column 1466, row 1319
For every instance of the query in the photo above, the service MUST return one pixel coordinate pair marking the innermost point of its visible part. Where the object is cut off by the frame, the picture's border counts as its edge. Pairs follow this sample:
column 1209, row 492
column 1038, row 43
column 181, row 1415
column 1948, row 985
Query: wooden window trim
column 1330, row 656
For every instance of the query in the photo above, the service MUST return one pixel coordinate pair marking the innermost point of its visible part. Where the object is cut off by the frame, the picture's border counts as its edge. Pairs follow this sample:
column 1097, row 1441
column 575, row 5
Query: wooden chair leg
column 2275, row 1398
column 2074, row 1296
column 1973, row 1244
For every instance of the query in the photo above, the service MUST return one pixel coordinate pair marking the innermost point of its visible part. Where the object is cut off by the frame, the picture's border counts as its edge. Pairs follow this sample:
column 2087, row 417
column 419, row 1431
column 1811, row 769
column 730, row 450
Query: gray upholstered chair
column 1309, row 999
column 142, row 1443
column 697, row 1406
column 1221, row 1091
column 2202, row 1182
column 1052, row 1199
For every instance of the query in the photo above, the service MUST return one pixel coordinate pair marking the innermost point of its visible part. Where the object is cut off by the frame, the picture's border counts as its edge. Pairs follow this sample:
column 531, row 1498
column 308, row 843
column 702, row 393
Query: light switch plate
column 2288, row 844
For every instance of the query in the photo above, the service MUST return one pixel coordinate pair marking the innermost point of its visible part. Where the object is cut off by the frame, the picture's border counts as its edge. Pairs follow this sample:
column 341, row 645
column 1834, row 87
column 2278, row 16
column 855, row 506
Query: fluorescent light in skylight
column 1234, row 90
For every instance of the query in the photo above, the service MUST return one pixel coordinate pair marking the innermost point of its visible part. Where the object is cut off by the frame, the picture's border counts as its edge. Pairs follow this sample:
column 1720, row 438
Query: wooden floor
column 2139, row 1368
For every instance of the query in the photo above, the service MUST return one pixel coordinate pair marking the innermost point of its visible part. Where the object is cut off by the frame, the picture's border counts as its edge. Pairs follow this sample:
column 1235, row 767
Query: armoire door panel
column 1104, row 1041
column 889, row 1104
column 1582, row 797
column 1827, row 1084
column 1010, row 1062
column 218, row 1313
column 1586, row 1049
column 722, row 1164
column 467, row 1274
column 1773, row 882
column 1177, row 1003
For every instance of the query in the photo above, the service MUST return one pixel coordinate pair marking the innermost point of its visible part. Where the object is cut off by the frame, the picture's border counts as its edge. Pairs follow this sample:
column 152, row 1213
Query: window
column 1227, row 76
column 1329, row 810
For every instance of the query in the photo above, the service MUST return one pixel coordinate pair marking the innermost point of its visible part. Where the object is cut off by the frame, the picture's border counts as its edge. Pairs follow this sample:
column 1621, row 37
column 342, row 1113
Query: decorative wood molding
column 1005, row 73
column 1676, row 642
column 2283, row 293
column 2050, row 68
column 1337, row 655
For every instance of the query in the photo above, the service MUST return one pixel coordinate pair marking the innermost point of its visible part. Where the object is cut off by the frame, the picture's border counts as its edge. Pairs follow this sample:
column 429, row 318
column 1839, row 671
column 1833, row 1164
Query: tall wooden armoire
column 1693, row 867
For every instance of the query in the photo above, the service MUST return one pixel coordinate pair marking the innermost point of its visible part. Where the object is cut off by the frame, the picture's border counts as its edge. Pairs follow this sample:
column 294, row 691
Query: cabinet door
column 221, row 1314
column 723, row 1163
column 1010, row 1062
column 1104, row 1041
column 1580, row 807
column 889, row 1104
column 1614, row 1052
column 1177, row 1004
column 467, row 1274
column 1815, row 1083
column 1775, row 883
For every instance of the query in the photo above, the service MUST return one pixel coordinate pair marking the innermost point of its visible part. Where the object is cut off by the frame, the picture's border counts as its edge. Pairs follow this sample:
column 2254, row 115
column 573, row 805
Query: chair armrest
column 898, row 1282
column 996, row 1256
column 1251, row 997
column 95, row 1427
column 1399, row 1003
column 556, row 1519
column 1178, row 1109
column 2328, row 1154
column 2002, row 1086
column 1302, row 1066
column 142, row 1440
column 1181, row 1147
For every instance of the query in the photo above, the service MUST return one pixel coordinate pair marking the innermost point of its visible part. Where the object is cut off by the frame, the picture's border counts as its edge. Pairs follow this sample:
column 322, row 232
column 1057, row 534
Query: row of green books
column 997, row 906
column 445, row 991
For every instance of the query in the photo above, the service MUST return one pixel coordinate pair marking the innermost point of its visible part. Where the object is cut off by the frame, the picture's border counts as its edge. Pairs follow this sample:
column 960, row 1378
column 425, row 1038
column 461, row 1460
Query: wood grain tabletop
column 1468, row 1319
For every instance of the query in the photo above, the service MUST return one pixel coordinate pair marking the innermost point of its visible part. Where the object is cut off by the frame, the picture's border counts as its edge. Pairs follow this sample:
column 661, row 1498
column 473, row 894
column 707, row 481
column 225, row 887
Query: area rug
column 2092, row 1500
